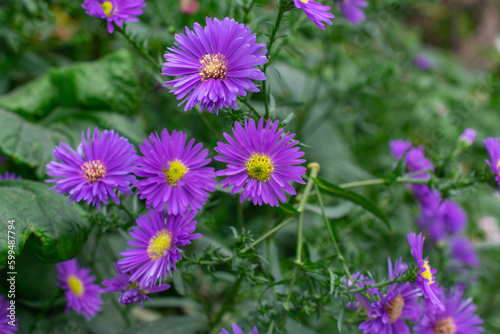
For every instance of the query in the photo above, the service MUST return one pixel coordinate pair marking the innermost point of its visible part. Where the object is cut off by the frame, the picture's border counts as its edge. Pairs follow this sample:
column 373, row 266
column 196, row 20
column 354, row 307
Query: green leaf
column 286, row 209
column 53, row 230
column 108, row 84
column 336, row 191
column 340, row 320
column 171, row 325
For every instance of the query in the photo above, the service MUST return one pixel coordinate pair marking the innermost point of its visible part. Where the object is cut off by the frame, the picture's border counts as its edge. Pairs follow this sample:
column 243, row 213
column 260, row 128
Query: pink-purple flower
column 493, row 148
column 425, row 279
column 114, row 11
column 101, row 165
column 462, row 250
column 9, row 176
column 174, row 173
column 131, row 291
column 316, row 12
column 7, row 325
column 82, row 294
column 468, row 136
column 352, row 10
column 237, row 330
column 261, row 161
column 457, row 317
column 215, row 64
column 157, row 241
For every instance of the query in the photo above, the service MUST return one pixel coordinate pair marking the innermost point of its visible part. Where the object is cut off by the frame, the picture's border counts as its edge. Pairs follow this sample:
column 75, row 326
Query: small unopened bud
column 468, row 136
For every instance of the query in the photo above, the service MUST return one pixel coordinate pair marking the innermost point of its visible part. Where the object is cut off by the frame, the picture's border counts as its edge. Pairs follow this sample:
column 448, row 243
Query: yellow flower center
column 395, row 308
column 213, row 66
column 259, row 167
column 176, row 170
column 76, row 285
column 159, row 244
column 445, row 326
column 304, row 1
column 427, row 273
column 107, row 6
column 498, row 167
column 93, row 171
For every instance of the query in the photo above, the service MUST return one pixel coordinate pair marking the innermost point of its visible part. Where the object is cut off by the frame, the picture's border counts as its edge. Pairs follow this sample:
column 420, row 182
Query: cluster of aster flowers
column 388, row 311
column 443, row 220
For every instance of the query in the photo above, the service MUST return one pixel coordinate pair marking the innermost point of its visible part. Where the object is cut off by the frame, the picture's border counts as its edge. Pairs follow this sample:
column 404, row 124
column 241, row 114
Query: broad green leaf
column 336, row 191
column 171, row 325
column 107, row 84
column 55, row 231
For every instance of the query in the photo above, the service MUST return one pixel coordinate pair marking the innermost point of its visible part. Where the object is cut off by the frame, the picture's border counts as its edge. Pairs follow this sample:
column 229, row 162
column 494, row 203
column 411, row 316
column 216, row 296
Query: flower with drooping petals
column 7, row 326
column 398, row 303
column 115, row 11
column 174, row 173
column 131, row 291
column 261, row 161
column 457, row 318
column 9, row 176
column 352, row 11
column 214, row 64
column 101, row 164
column 493, row 147
column 316, row 12
column 238, row 330
column 157, row 241
column 425, row 278
column 82, row 295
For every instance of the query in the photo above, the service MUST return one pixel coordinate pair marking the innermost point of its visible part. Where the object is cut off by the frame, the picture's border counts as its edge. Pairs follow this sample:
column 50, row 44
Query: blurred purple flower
column 493, row 148
column 237, row 330
column 447, row 218
column 115, row 11
column 9, row 176
column 5, row 320
column 316, row 12
column 468, row 136
column 423, row 62
column 352, row 11
column 462, row 250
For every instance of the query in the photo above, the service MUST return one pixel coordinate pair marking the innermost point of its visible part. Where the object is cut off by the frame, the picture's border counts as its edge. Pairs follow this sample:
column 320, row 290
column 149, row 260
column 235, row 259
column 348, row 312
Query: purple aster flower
column 398, row 303
column 447, row 217
column 261, row 162
column 423, row 62
column 457, row 317
column 214, row 64
column 493, row 147
column 351, row 9
column 360, row 302
column 238, row 330
column 115, row 11
column 174, row 173
column 316, row 12
column 157, row 239
column 101, row 164
column 425, row 278
column 462, row 250
column 7, row 325
column 468, row 136
column 81, row 293
column 131, row 291
column 9, row 176
column 415, row 159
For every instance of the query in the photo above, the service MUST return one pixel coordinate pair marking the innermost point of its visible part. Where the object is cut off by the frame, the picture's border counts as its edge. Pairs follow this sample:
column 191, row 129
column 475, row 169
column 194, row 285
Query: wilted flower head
column 214, row 64
column 115, row 11
column 425, row 278
column 157, row 241
column 9, row 176
column 82, row 295
column 316, row 12
column 102, row 164
column 174, row 173
column 237, row 330
column 493, row 147
column 131, row 291
column 457, row 317
column 352, row 11
column 261, row 161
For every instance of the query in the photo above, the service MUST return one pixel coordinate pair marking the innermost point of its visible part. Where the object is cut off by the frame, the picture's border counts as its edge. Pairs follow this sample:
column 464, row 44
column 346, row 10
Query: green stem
column 377, row 285
column 290, row 290
column 385, row 181
column 252, row 109
column 330, row 231
column 139, row 48
column 247, row 11
column 228, row 301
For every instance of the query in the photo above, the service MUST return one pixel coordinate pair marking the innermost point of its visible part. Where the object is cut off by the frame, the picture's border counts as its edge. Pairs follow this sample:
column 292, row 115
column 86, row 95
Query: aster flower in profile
column 493, row 148
column 462, row 250
column 157, row 242
column 102, row 164
column 261, row 161
column 174, row 173
column 398, row 303
column 237, row 330
column 425, row 278
column 359, row 300
column 82, row 295
column 9, row 176
column 352, row 10
column 114, row 11
column 7, row 326
column 316, row 12
column 131, row 291
column 214, row 64
column 457, row 317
